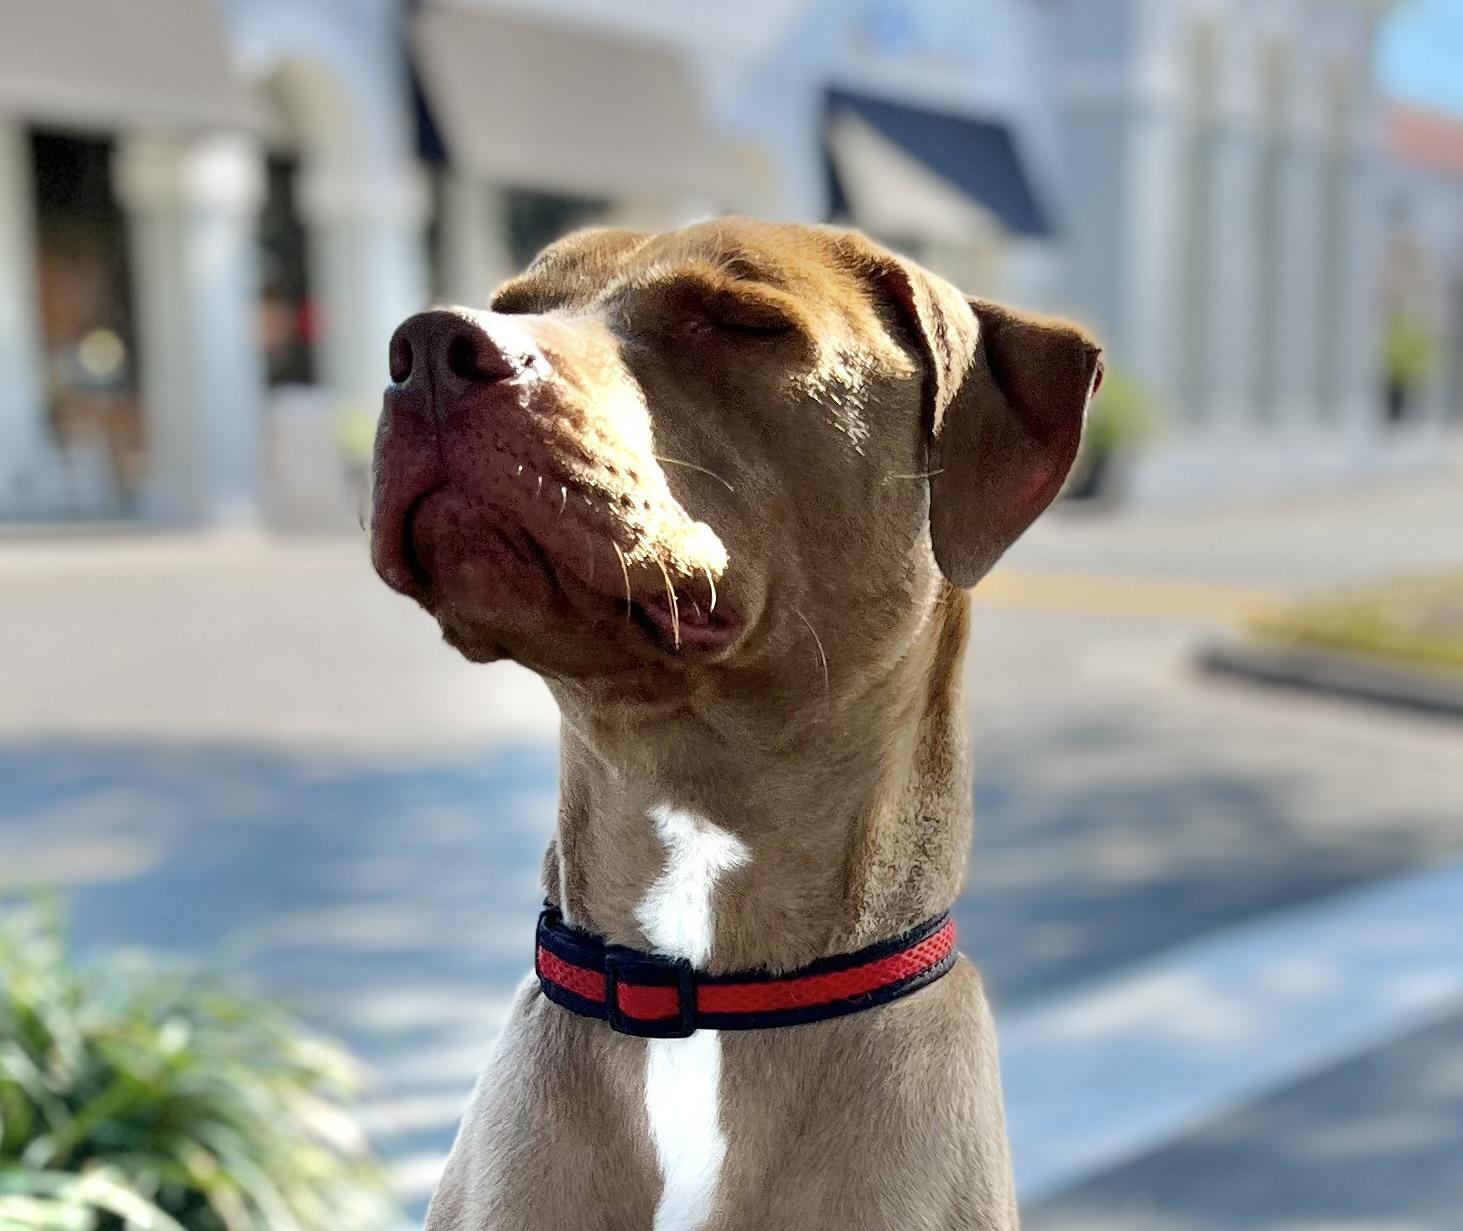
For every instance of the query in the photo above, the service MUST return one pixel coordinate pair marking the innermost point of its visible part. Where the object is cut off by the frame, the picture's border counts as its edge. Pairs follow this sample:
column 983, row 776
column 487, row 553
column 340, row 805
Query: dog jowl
column 725, row 489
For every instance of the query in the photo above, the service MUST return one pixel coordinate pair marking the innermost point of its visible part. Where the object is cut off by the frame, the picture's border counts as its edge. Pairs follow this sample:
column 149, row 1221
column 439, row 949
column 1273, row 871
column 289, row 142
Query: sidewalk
column 1372, row 1145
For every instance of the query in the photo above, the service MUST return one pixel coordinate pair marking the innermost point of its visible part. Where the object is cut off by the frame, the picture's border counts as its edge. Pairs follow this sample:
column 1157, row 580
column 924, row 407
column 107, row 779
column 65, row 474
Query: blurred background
column 1217, row 694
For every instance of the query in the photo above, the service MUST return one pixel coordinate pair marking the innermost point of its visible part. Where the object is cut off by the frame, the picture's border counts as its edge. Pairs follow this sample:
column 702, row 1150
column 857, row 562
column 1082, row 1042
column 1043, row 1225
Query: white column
column 1269, row 273
column 1197, row 270
column 25, row 450
column 473, row 252
column 1438, row 227
column 1357, row 347
column 780, row 173
column 1453, row 338
column 367, row 267
column 1154, row 253
column 1300, row 285
column 1233, row 266
column 192, row 208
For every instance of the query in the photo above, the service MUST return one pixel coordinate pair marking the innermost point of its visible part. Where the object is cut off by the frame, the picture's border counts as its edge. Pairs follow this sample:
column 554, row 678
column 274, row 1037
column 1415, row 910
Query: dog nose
column 444, row 352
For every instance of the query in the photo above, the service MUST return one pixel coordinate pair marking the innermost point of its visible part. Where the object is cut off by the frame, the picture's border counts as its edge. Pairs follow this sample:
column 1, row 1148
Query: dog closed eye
column 748, row 315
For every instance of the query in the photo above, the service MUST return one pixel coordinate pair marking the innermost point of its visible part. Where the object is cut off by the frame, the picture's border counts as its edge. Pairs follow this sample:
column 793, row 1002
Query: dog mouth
column 680, row 622
column 561, row 564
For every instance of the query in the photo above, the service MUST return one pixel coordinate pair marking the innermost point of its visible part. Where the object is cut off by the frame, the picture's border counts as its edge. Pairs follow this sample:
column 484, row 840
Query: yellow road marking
column 1136, row 597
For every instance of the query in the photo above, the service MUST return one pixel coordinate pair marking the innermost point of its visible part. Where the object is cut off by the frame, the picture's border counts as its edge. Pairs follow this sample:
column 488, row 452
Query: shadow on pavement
column 1074, row 874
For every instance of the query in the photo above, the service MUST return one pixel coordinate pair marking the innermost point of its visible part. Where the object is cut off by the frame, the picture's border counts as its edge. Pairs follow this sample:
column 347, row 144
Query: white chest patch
column 683, row 1076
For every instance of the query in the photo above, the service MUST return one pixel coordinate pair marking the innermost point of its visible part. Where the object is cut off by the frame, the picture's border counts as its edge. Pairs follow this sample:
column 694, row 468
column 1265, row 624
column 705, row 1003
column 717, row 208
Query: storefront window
column 536, row 219
column 288, row 319
column 86, row 325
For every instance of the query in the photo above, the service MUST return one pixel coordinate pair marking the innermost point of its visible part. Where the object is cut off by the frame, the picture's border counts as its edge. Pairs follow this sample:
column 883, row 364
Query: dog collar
column 652, row 996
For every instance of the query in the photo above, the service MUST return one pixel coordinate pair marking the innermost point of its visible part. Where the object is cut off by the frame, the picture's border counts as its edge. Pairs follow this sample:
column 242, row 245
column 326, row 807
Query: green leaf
column 139, row 1099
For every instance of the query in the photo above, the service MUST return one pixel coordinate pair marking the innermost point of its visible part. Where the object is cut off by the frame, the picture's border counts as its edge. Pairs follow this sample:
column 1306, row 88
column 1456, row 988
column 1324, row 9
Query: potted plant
column 137, row 1099
column 1119, row 421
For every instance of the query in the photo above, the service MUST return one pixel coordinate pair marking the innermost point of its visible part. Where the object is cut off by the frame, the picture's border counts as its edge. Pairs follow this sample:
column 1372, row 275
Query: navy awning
column 977, row 157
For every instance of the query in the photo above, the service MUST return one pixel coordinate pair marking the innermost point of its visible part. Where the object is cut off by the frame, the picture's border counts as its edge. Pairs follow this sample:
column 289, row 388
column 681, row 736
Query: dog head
column 735, row 450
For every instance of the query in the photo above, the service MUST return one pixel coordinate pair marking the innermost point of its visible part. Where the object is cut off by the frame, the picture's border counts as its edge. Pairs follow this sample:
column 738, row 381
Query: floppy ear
column 1007, row 397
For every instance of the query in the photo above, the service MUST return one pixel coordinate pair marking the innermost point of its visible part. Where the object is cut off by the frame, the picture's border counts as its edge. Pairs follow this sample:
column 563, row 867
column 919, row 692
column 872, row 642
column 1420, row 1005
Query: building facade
column 1227, row 174
column 142, row 148
column 1422, row 269
column 212, row 212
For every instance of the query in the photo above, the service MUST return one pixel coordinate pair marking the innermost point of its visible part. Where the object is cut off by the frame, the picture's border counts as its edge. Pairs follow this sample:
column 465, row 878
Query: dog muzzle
column 655, row 997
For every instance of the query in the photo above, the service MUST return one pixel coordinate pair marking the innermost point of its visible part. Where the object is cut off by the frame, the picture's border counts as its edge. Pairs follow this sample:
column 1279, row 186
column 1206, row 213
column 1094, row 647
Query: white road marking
column 1100, row 1075
column 683, row 1076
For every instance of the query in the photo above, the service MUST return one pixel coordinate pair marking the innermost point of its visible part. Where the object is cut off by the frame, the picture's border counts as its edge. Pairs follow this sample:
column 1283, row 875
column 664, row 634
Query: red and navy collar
column 652, row 996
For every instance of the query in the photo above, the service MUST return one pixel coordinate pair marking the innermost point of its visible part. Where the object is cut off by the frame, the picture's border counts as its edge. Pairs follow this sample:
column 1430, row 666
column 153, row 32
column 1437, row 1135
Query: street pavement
column 248, row 751
column 1371, row 1145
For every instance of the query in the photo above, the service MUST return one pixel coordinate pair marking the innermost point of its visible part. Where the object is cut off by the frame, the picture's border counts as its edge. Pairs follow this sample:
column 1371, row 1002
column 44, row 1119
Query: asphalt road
column 1371, row 1145
column 250, row 751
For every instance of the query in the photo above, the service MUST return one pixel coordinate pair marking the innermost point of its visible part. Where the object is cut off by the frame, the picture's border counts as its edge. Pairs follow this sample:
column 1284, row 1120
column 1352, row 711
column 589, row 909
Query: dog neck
column 767, row 835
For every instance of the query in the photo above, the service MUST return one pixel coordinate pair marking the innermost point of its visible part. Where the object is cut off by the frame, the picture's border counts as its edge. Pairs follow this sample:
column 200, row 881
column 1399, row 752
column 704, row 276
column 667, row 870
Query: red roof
column 1429, row 140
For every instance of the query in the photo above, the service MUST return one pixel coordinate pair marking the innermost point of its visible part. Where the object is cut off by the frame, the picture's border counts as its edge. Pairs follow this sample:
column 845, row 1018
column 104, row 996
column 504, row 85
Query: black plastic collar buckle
column 624, row 965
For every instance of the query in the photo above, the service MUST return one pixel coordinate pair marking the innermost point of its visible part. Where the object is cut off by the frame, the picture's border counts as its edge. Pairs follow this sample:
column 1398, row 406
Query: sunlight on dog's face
column 680, row 457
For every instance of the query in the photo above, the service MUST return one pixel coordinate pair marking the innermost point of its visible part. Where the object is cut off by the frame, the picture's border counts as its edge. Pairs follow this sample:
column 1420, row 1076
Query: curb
column 1336, row 673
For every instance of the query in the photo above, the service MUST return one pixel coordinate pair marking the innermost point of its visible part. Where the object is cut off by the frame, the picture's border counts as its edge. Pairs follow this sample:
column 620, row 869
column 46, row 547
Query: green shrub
column 1409, row 351
column 133, row 1098
column 1122, row 415
column 1417, row 620
column 1120, row 421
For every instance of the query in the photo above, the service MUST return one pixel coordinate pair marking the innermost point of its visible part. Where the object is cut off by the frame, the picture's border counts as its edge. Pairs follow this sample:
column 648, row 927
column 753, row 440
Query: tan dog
column 723, row 489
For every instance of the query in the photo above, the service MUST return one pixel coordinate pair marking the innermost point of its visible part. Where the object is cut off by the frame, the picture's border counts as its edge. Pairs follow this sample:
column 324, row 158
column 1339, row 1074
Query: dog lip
column 683, row 624
column 393, row 551
column 410, row 557
column 678, row 625
column 694, row 620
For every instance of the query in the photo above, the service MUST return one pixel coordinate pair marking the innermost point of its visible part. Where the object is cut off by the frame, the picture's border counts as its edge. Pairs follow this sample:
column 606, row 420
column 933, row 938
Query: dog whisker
column 670, row 593
column 928, row 474
column 624, row 568
column 675, row 461
column 363, row 501
column 818, row 641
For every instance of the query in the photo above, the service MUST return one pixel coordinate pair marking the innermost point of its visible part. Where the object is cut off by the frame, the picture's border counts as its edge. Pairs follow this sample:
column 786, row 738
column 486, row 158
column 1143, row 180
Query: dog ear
column 1006, row 396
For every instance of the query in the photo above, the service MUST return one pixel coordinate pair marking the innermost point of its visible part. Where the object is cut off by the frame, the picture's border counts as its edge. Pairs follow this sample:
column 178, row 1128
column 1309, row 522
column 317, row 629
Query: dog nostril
column 474, row 356
column 400, row 358
column 462, row 358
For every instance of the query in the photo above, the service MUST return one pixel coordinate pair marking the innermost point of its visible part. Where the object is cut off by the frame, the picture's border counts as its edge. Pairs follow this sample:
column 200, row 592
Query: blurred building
column 210, row 219
column 212, row 212
column 1422, row 268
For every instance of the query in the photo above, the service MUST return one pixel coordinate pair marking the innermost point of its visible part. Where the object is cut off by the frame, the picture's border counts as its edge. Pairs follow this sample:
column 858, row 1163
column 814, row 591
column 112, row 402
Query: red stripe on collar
column 651, row 996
